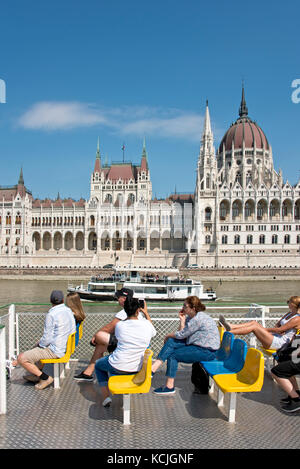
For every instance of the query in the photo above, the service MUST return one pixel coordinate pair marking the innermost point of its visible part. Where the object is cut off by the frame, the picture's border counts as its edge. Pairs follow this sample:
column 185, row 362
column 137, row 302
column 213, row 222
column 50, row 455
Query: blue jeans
column 104, row 370
column 175, row 351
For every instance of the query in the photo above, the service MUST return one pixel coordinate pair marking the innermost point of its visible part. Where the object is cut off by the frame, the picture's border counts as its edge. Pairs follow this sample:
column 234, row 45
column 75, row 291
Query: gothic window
column 208, row 214
column 207, row 239
column 262, row 239
column 248, row 178
column 249, row 239
column 224, row 239
column 237, row 239
column 287, row 239
column 275, row 239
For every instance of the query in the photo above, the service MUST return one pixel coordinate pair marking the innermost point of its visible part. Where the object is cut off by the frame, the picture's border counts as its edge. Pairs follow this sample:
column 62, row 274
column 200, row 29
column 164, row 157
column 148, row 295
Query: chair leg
column 126, row 409
column 212, row 385
column 56, row 375
column 220, row 398
column 232, row 407
column 67, row 367
column 61, row 370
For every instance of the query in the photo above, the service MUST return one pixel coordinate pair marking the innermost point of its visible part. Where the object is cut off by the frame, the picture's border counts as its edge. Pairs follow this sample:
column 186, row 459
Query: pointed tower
column 207, row 170
column 205, row 194
column 97, row 168
column 144, row 186
column 96, row 188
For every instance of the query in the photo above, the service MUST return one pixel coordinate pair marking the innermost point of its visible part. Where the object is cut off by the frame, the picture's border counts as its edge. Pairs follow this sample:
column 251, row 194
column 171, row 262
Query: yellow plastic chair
column 132, row 384
column 221, row 332
column 59, row 363
column 249, row 379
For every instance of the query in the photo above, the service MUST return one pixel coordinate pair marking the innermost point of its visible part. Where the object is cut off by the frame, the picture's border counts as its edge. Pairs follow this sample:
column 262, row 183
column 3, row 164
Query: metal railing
column 19, row 331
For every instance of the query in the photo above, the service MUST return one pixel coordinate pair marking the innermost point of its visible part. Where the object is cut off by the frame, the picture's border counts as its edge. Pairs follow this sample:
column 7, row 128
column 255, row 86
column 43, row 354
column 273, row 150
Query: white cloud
column 60, row 115
column 135, row 120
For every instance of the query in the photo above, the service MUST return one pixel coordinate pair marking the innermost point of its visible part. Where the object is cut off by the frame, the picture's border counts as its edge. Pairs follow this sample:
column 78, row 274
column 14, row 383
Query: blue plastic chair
column 225, row 350
column 232, row 364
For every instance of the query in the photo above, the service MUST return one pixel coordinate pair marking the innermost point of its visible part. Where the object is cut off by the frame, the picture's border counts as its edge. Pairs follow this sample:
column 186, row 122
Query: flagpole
column 123, row 148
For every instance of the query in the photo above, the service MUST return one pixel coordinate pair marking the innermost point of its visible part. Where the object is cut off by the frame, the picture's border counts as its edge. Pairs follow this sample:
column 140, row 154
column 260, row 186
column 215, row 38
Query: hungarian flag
column 123, row 147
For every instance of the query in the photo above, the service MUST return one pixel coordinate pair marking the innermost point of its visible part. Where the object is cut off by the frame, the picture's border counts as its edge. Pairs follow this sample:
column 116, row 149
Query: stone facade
column 241, row 214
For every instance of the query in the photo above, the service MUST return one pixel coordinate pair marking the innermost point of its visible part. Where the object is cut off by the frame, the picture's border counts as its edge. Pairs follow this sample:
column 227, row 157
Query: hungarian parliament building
column 241, row 215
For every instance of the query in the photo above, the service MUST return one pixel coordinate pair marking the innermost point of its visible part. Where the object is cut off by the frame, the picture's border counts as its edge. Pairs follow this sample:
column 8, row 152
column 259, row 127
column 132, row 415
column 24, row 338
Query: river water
column 237, row 291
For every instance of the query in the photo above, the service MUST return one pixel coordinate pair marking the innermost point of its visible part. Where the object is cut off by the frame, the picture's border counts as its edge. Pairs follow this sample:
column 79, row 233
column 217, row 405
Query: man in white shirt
column 59, row 324
column 105, row 340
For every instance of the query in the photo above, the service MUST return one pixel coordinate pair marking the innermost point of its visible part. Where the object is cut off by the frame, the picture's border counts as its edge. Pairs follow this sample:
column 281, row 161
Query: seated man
column 59, row 324
column 105, row 339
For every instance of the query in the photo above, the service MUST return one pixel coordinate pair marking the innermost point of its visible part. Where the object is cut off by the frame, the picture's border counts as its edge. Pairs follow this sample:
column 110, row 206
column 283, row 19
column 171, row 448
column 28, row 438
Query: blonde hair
column 74, row 302
column 295, row 300
column 195, row 302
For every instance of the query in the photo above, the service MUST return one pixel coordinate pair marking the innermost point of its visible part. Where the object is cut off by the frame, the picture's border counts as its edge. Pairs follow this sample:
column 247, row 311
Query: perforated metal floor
column 73, row 417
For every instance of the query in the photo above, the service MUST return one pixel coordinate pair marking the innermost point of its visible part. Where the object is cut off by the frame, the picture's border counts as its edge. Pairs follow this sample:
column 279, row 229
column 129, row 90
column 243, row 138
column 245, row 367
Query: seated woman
column 73, row 301
column 270, row 337
column 133, row 338
column 197, row 339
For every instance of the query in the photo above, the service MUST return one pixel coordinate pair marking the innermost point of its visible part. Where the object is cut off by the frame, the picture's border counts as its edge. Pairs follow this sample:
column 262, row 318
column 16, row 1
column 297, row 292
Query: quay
column 72, row 417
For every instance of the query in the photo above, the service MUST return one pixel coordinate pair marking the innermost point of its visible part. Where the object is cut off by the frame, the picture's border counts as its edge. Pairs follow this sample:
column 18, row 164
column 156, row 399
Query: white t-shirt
column 122, row 315
column 133, row 337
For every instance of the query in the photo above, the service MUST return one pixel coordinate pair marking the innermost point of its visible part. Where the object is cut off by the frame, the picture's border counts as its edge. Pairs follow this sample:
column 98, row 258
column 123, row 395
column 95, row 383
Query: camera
column 141, row 303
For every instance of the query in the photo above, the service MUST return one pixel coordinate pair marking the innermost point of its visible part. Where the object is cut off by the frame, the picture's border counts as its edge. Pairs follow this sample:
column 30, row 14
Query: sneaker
column 43, row 383
column 288, row 399
column 164, row 391
column 83, row 377
column 224, row 323
column 106, row 403
column 293, row 406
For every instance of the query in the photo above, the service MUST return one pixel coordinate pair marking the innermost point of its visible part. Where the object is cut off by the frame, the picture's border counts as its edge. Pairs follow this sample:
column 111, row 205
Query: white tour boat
column 148, row 284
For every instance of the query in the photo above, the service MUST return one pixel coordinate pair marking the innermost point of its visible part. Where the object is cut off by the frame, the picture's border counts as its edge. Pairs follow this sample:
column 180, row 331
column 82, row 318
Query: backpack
column 200, row 379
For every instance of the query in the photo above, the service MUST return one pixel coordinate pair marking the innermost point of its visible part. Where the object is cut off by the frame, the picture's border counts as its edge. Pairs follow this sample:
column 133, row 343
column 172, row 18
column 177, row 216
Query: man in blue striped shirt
column 59, row 324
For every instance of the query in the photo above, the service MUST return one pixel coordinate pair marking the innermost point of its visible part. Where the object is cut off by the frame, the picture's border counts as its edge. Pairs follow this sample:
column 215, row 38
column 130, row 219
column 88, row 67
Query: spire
column 144, row 154
column 243, row 111
column 21, row 179
column 97, row 168
column 144, row 163
column 207, row 125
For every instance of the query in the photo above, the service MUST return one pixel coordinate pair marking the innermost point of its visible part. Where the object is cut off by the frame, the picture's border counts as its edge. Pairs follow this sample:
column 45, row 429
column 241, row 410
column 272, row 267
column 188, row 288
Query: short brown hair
column 195, row 302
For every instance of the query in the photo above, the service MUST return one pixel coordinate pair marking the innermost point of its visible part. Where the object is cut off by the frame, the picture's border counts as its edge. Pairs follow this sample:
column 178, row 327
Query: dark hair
column 195, row 302
column 131, row 305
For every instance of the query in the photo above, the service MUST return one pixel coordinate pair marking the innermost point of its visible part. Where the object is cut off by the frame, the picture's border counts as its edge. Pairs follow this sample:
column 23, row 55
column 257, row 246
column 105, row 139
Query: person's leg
column 169, row 347
column 186, row 354
column 284, row 374
column 265, row 337
column 102, row 341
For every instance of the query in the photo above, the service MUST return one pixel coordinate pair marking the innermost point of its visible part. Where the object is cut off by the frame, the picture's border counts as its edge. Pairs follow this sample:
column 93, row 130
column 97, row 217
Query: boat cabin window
column 102, row 288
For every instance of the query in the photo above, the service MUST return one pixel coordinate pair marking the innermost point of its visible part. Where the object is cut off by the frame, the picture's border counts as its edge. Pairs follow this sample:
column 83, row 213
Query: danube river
column 231, row 291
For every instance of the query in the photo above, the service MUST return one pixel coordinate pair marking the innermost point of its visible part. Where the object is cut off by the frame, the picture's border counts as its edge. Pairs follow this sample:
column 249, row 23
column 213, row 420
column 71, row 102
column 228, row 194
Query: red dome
column 244, row 130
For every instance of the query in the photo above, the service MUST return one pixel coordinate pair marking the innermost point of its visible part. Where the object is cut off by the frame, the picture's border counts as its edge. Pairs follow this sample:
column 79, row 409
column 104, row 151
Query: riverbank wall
column 203, row 274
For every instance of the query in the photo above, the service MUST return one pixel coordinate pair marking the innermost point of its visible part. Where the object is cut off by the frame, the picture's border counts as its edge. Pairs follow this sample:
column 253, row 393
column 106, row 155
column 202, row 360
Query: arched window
column 262, row 239
column 207, row 239
column 208, row 214
column 275, row 239
column 224, row 239
column 249, row 239
column 237, row 239
column 287, row 239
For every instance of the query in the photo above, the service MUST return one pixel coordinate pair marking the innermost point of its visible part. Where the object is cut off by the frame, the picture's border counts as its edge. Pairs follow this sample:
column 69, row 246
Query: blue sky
column 124, row 70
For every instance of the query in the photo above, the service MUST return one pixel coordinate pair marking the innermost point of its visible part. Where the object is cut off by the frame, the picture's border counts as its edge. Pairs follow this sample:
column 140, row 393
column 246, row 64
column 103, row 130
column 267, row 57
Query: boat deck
column 73, row 417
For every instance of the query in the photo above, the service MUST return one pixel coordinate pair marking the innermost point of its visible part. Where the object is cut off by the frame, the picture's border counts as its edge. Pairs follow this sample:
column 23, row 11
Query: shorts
column 38, row 353
column 112, row 344
column 277, row 342
column 286, row 369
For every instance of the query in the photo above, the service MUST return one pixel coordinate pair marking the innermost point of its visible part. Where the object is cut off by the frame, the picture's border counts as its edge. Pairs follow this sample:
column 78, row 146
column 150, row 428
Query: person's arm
column 293, row 323
column 190, row 327
column 145, row 311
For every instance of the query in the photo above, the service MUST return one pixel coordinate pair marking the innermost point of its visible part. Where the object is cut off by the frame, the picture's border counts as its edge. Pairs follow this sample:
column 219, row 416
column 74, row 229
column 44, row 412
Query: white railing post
column 2, row 370
column 11, row 331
